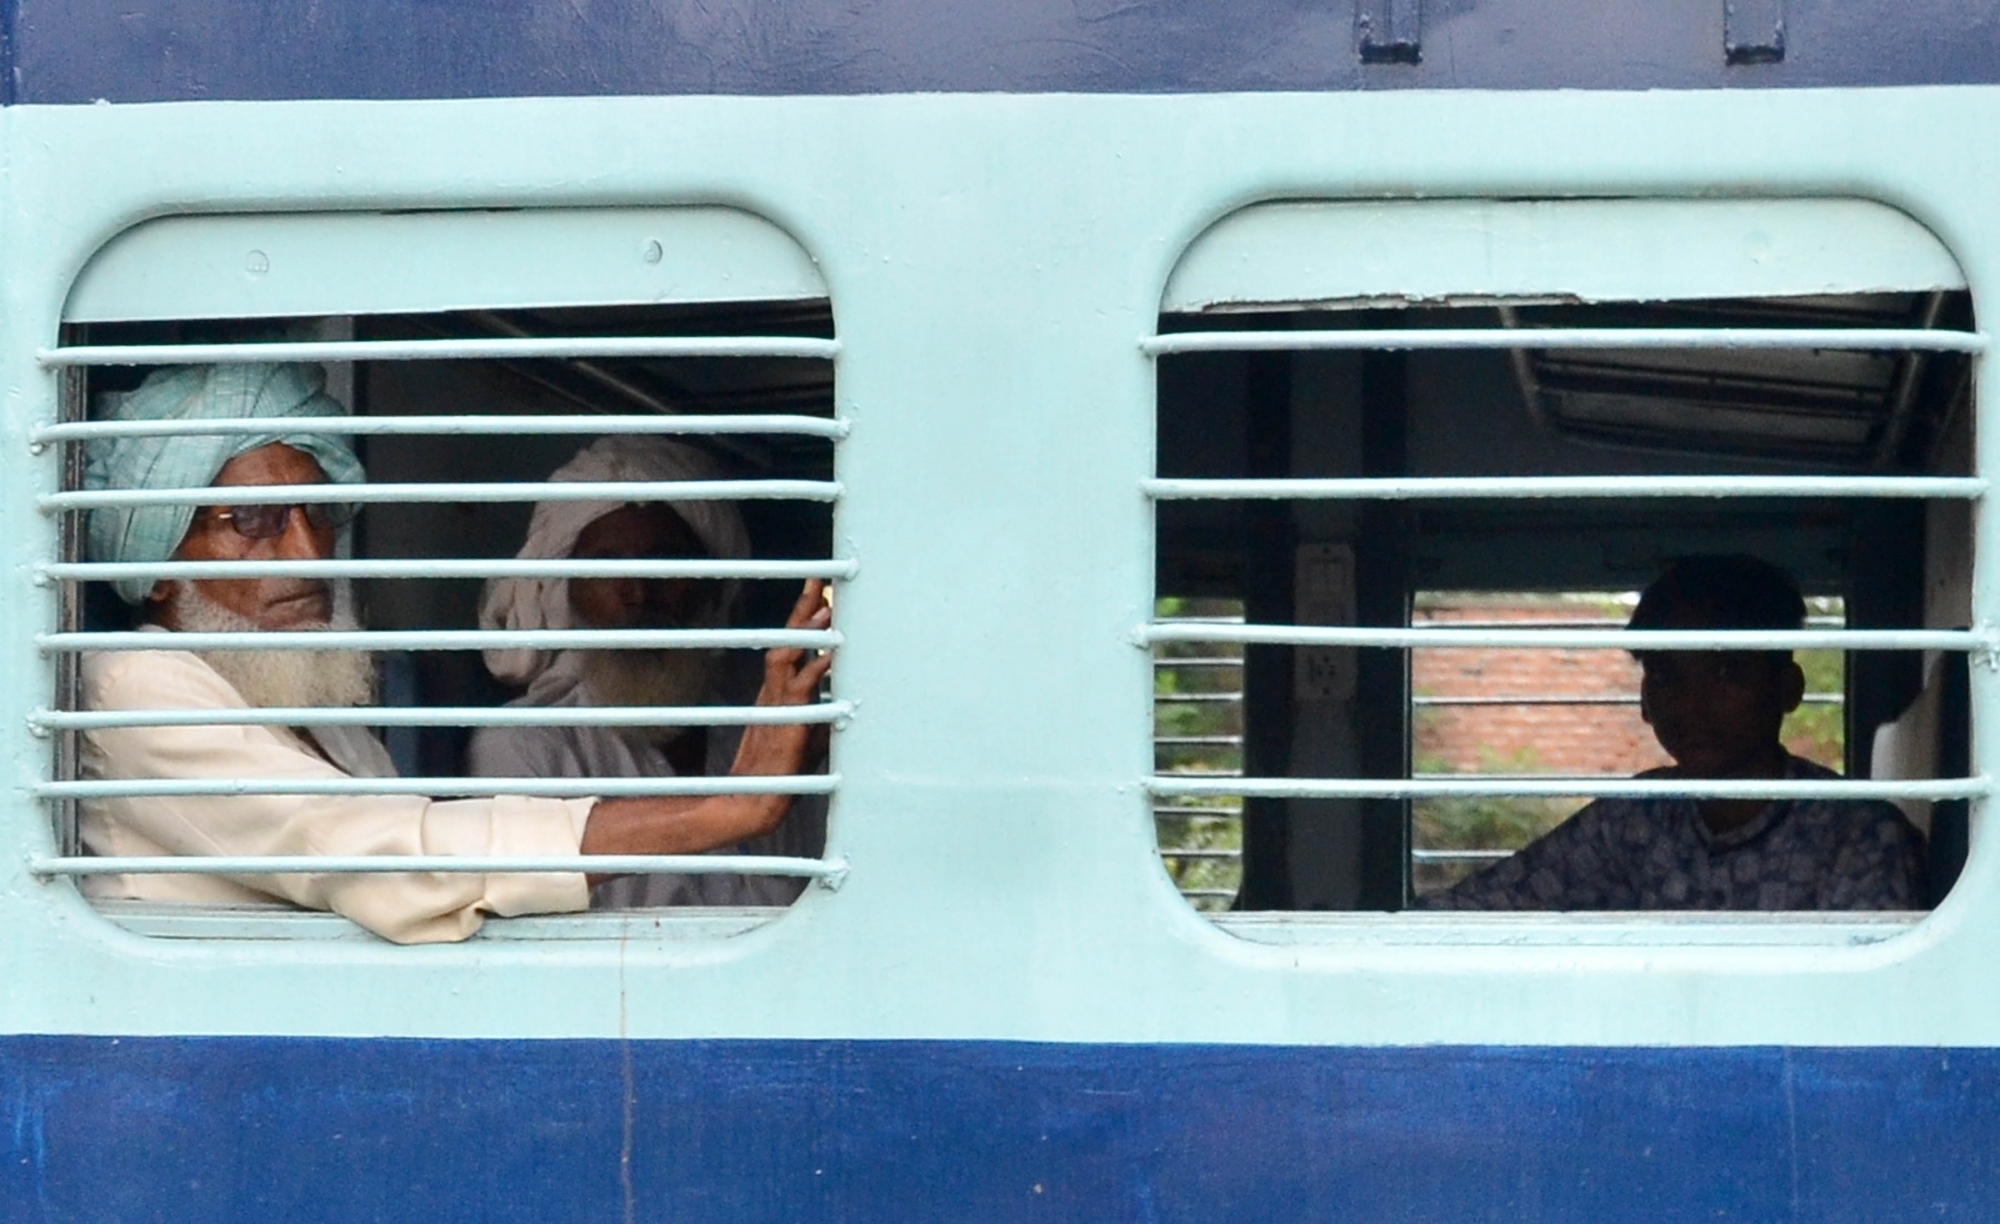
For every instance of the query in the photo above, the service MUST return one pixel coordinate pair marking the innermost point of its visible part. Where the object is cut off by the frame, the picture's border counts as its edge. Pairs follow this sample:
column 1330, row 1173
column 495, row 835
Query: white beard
column 283, row 678
column 648, row 678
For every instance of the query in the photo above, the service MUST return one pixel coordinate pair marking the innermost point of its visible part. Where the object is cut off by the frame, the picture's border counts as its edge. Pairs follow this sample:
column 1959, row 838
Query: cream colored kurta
column 407, row 908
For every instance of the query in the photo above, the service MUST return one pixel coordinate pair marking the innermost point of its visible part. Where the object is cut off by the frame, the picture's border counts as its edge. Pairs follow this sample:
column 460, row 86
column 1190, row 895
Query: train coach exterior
column 991, row 1003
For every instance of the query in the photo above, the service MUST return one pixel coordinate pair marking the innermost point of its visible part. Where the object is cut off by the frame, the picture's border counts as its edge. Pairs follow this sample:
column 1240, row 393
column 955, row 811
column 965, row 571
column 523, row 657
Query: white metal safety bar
column 464, row 492
column 1451, row 488
column 480, row 349
column 1848, row 338
column 1183, row 786
column 548, row 788
column 831, row 870
column 1630, row 699
column 450, row 426
column 1417, row 636
column 1500, row 775
column 1595, row 622
column 449, row 639
column 449, row 716
column 567, row 567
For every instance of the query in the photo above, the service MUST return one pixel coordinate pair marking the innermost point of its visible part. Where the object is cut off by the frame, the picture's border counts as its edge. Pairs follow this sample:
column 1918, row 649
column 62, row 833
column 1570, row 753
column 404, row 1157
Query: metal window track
column 1621, row 338
column 1190, row 786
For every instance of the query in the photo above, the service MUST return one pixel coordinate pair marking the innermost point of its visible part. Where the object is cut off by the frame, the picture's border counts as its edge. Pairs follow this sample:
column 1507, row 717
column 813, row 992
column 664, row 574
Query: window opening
column 1553, row 457
column 460, row 418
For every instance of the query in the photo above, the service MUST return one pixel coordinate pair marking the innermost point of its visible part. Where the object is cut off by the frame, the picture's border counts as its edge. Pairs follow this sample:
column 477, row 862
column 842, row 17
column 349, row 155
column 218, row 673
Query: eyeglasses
column 269, row 522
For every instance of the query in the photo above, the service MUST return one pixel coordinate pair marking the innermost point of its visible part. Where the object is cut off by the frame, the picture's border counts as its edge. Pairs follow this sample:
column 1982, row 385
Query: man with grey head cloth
column 605, row 530
column 406, row 907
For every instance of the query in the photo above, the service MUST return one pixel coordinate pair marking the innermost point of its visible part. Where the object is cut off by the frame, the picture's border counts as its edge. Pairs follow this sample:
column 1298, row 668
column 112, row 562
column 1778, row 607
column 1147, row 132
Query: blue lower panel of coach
column 264, row 1129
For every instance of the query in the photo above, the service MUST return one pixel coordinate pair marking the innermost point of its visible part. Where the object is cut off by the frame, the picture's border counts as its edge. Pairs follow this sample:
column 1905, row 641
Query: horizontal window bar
column 1206, row 893
column 1454, row 702
column 509, row 426
column 483, row 349
column 1443, row 488
column 1459, row 856
column 1631, row 700
column 1199, row 661
column 1172, row 853
column 1595, row 622
column 364, row 864
column 1194, row 698
column 450, row 639
column 1178, row 812
column 507, row 491
column 455, row 567
column 1197, row 741
column 1430, row 637
column 1848, row 338
column 1495, row 775
column 1184, row 786
column 449, row 716
column 548, row 788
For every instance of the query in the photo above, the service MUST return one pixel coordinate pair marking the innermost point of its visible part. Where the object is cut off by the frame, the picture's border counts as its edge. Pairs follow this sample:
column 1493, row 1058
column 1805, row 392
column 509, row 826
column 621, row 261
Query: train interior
column 1276, row 711
column 585, row 388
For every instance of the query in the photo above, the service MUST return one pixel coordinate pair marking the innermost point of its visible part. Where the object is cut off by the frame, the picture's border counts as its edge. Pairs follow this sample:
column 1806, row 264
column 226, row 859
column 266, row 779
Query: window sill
column 166, row 920
column 1531, row 930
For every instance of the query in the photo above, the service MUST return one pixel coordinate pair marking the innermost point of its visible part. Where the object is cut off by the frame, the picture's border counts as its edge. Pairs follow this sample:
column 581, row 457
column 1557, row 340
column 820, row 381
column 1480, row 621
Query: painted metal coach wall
column 1003, row 880
column 77, row 51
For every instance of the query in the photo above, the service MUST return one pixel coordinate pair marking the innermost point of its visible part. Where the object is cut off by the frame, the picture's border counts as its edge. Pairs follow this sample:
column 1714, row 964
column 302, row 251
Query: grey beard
column 283, row 678
column 648, row 678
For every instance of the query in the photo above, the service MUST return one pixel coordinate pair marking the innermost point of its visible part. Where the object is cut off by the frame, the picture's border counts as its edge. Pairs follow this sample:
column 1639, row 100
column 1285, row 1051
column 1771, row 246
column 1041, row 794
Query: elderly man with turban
column 406, row 907
column 601, row 530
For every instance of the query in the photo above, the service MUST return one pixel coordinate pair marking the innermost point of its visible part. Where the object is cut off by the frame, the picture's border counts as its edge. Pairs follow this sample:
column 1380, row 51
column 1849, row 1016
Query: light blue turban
column 206, row 393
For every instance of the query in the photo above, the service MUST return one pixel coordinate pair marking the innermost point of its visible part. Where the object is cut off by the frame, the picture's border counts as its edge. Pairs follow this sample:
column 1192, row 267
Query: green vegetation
column 1817, row 730
column 1487, row 823
column 1207, row 830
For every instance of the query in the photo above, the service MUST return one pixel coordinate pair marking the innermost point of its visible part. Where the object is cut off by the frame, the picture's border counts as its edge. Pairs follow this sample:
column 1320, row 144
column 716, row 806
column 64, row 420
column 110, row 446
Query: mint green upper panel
column 1583, row 250
column 275, row 265
column 994, row 262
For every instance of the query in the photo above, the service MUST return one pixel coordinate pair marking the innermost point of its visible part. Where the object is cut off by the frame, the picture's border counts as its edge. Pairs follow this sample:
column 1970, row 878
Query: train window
column 599, row 453
column 1415, row 465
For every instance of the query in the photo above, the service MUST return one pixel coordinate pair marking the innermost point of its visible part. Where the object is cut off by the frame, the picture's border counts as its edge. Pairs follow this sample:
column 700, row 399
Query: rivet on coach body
column 257, row 263
column 652, row 251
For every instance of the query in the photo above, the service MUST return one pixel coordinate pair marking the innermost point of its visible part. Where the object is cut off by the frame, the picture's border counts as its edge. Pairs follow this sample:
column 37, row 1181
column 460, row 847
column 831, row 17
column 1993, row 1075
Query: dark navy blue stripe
column 262, row 1129
column 74, row 51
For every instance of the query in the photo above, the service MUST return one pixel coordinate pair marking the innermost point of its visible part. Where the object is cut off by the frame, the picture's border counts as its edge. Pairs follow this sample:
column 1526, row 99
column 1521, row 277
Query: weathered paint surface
column 77, row 51
column 1003, row 883
column 993, row 262
column 226, row 1130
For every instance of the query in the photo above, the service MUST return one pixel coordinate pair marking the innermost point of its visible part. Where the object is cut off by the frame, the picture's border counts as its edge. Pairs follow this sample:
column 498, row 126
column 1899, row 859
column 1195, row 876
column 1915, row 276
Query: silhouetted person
column 1718, row 714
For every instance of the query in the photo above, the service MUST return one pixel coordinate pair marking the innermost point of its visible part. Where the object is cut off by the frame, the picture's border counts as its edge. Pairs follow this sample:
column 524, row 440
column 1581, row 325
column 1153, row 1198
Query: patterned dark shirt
column 1653, row 854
